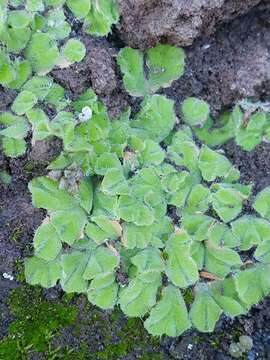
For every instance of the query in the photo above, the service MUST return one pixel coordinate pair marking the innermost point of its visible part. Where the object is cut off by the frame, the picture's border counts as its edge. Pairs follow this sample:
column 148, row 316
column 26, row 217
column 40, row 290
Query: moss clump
column 36, row 321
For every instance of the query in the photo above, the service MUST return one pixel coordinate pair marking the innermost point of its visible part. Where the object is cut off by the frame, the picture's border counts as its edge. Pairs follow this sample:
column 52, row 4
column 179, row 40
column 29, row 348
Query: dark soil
column 254, row 165
column 7, row 96
column 222, row 69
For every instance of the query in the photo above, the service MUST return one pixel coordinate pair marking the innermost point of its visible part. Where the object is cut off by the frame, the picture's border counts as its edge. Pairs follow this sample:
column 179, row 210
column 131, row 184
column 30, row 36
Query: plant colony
column 35, row 37
column 138, row 214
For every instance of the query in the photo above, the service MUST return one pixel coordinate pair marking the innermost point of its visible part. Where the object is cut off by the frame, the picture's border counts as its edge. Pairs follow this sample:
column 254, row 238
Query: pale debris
column 85, row 114
column 8, row 276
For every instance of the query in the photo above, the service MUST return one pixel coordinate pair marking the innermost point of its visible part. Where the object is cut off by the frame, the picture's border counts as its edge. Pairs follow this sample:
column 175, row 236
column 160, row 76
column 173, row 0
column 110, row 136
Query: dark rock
column 96, row 70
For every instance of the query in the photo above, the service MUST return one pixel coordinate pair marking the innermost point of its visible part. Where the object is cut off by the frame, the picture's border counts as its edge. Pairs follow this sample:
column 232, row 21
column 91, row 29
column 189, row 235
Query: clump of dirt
column 99, row 71
column 44, row 151
column 75, row 78
column 180, row 22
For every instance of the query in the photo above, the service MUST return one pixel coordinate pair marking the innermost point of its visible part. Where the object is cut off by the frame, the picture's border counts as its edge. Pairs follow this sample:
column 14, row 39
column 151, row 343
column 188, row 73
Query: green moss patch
column 37, row 320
